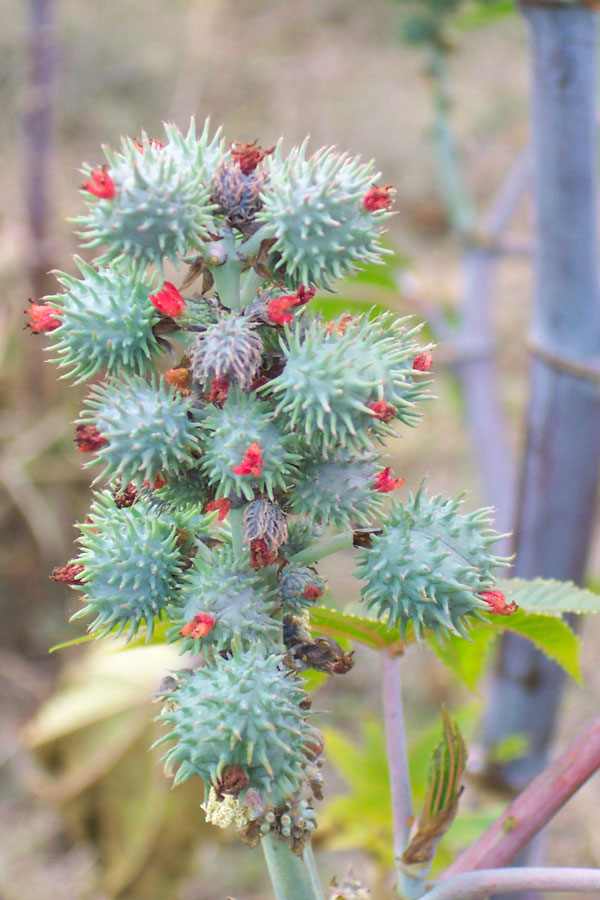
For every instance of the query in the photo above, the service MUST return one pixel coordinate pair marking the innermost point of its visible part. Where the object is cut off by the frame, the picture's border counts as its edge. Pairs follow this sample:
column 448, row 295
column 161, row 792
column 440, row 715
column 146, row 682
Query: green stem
column 227, row 275
column 326, row 547
column 452, row 186
column 251, row 246
column 293, row 877
column 251, row 281
column 236, row 517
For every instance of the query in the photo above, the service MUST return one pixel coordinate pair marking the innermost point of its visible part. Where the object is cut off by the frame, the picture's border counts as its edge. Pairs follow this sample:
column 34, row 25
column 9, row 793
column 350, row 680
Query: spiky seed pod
column 313, row 207
column 187, row 491
column 302, row 532
column 203, row 154
column 131, row 565
column 106, row 322
column 263, row 733
column 147, row 428
column 429, row 564
column 235, row 598
column 161, row 208
column 230, row 348
column 236, row 195
column 242, row 423
column 340, row 492
column 333, row 376
column 299, row 587
column 265, row 520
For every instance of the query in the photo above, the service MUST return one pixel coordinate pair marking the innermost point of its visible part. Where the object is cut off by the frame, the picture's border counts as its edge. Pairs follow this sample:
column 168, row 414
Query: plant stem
column 538, row 803
column 473, row 885
column 250, row 247
column 292, row 877
column 251, row 281
column 227, row 276
column 393, row 715
column 326, row 547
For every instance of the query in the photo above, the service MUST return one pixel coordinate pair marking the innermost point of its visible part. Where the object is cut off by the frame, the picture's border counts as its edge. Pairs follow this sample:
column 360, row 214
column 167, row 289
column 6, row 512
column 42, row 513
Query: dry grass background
column 333, row 69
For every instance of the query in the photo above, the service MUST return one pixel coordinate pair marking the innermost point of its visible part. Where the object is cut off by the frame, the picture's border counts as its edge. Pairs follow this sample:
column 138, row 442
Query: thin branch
column 473, row 885
column 393, row 714
column 534, row 808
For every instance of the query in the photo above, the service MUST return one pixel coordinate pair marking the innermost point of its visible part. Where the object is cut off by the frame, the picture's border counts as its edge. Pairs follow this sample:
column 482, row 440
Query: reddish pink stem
column 534, row 808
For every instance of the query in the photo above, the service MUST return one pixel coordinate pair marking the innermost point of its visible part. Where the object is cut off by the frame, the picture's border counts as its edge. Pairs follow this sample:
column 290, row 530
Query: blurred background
column 85, row 810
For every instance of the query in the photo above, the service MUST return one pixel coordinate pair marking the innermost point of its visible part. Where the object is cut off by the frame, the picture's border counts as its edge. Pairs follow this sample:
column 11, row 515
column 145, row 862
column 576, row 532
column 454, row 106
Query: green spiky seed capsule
column 314, row 208
column 232, row 595
column 106, row 323
column 147, row 427
column 428, row 566
column 245, row 426
column 131, row 565
column 299, row 587
column 340, row 492
column 332, row 382
column 263, row 731
column 161, row 208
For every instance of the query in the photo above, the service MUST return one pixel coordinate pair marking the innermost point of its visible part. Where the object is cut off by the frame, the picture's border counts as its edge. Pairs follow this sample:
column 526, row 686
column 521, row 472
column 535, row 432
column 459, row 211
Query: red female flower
column 100, row 184
column 88, row 439
column 201, row 625
column 497, row 603
column 278, row 306
column 384, row 483
column 68, row 574
column 423, row 361
column 218, row 391
column 168, row 301
column 43, row 317
column 248, row 156
column 252, row 462
column 378, row 198
column 312, row 592
column 178, row 378
column 382, row 410
column 223, row 506
column 261, row 555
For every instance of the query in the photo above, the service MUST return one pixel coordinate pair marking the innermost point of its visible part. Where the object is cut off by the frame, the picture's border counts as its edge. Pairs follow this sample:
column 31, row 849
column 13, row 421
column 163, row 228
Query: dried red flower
column 233, row 781
column 498, row 604
column 178, row 378
column 68, row 574
column 218, row 391
column 252, row 462
column 158, row 483
column 223, row 506
column 88, row 438
column 152, row 141
column 423, row 361
column 339, row 329
column 127, row 497
column 248, row 156
column 261, row 555
column 382, row 410
column 201, row 625
column 43, row 317
column 100, row 184
column 312, row 592
column 378, row 198
column 384, row 483
column 168, row 301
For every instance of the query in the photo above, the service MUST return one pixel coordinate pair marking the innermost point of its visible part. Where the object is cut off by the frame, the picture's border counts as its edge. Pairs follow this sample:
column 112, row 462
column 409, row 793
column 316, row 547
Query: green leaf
column 466, row 658
column 544, row 595
column 369, row 632
column 330, row 307
column 549, row 634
